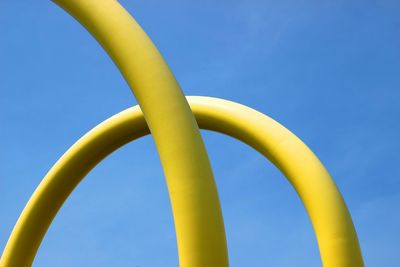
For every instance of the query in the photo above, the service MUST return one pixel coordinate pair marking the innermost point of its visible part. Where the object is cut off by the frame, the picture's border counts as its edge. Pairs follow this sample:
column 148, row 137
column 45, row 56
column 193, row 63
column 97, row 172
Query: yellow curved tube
column 193, row 193
column 337, row 239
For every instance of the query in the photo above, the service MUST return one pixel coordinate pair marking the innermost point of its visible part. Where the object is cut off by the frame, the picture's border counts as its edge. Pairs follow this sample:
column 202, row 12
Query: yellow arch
column 331, row 220
column 193, row 193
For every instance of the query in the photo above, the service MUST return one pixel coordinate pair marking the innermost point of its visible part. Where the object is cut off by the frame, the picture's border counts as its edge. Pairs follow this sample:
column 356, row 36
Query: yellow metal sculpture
column 172, row 122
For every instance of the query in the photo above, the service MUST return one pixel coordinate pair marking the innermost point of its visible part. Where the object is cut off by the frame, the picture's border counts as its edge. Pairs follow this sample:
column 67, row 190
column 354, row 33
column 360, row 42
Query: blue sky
column 327, row 70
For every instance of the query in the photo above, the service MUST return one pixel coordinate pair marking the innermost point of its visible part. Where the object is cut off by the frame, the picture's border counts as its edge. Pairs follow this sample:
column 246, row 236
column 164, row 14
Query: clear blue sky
column 327, row 70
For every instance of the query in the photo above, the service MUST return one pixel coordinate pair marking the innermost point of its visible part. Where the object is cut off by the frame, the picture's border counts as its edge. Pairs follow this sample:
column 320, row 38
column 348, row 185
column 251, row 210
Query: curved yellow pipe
column 193, row 193
column 331, row 220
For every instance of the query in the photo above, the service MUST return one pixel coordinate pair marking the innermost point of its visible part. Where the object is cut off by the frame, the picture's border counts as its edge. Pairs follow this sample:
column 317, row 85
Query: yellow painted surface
column 331, row 220
column 193, row 193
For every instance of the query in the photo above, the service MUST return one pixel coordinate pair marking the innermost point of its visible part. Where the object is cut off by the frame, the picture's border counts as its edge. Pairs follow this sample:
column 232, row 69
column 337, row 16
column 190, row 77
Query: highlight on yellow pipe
column 337, row 238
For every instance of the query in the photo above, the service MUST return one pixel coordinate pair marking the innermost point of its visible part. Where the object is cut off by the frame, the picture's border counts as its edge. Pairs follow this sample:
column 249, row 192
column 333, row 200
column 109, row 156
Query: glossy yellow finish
column 331, row 220
column 193, row 193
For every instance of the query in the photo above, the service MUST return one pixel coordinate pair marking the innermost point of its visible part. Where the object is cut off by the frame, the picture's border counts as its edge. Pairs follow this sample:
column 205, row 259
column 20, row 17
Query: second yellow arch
column 337, row 239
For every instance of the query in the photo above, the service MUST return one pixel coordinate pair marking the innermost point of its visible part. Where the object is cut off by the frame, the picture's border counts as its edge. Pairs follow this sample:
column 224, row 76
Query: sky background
column 327, row 70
